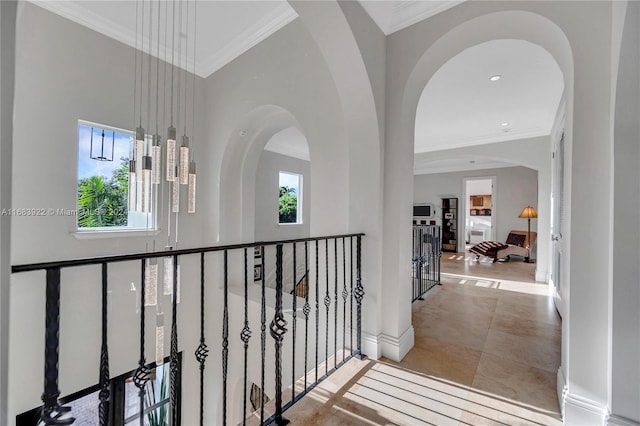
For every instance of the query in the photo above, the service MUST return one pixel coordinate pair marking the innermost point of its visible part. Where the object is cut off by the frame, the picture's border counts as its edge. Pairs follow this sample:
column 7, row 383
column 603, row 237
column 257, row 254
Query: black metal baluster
column 245, row 335
column 103, row 407
column 293, row 326
column 327, row 303
column 202, row 351
column 335, row 300
column 345, row 293
column 141, row 375
column 351, row 296
column 306, row 310
column 52, row 409
column 263, row 336
column 359, row 293
column 317, row 305
column 225, row 340
column 277, row 331
column 173, row 360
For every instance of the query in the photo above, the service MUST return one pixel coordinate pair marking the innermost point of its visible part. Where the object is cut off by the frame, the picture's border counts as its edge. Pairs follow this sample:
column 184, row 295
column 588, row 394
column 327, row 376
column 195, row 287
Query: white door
column 557, row 224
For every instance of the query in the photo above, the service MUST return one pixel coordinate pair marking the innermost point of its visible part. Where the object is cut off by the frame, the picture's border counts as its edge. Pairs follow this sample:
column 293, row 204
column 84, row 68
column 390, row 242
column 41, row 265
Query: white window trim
column 299, row 196
column 113, row 231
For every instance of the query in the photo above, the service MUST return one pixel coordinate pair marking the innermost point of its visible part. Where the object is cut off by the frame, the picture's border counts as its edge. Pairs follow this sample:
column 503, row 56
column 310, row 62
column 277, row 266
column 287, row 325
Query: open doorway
column 479, row 199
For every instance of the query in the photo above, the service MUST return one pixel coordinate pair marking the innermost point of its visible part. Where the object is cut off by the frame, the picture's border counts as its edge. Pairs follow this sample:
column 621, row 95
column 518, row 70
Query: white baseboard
column 396, row 348
column 388, row 346
column 614, row 420
column 581, row 411
column 561, row 389
column 371, row 346
column 542, row 276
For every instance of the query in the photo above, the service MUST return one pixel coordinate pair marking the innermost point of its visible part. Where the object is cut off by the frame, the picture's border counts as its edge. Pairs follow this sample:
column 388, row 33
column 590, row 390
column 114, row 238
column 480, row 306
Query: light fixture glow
column 159, row 338
column 151, row 283
column 139, row 152
column 156, row 156
column 504, row 124
column 192, row 188
column 168, row 276
column 175, row 194
column 171, row 154
column 132, row 185
column 184, row 161
column 145, row 202
column 495, row 77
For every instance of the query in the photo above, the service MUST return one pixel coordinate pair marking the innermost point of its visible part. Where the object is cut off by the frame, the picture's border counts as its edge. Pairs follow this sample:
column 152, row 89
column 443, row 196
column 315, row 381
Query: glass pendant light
column 159, row 338
column 132, row 185
column 184, row 161
column 139, row 152
column 156, row 156
column 146, row 184
column 175, row 193
column 167, row 281
column 192, row 188
column 171, row 154
column 151, row 283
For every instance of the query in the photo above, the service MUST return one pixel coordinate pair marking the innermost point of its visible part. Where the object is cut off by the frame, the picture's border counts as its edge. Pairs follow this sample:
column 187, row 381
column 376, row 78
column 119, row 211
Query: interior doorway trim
column 467, row 207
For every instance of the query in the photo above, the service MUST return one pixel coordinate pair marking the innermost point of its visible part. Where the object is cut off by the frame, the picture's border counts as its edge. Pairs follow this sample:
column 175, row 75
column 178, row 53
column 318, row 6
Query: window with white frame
column 290, row 198
column 114, row 185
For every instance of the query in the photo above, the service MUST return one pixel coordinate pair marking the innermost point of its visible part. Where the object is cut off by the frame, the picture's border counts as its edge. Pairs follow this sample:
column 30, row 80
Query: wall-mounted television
column 423, row 210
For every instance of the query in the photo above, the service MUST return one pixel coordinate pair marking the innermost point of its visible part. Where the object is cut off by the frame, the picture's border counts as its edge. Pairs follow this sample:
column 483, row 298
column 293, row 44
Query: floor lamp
column 528, row 213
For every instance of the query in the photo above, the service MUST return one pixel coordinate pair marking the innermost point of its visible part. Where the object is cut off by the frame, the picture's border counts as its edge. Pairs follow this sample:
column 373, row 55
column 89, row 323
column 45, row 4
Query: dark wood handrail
column 149, row 255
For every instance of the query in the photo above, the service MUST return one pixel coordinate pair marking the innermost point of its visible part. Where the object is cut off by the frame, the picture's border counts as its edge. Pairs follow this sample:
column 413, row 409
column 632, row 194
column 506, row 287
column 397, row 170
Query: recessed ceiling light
column 495, row 77
column 505, row 124
column 243, row 132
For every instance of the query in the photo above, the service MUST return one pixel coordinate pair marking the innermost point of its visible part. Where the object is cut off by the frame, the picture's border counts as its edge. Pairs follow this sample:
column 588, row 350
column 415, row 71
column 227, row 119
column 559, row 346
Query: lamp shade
column 528, row 213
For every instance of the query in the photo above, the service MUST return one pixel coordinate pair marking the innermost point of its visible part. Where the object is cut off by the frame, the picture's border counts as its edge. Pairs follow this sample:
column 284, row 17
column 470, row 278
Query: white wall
column 8, row 10
column 66, row 72
column 582, row 48
column 625, row 293
column 516, row 187
column 533, row 153
column 266, row 212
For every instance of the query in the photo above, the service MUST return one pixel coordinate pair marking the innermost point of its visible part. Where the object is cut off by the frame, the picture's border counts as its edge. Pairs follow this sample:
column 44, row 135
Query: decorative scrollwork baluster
column 277, row 330
column 52, row 410
column 359, row 295
column 202, row 351
column 141, row 375
column 103, row 407
column 245, row 335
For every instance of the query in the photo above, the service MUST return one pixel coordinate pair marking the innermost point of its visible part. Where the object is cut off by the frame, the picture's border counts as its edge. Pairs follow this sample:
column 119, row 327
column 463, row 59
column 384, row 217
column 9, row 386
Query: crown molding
column 431, row 169
column 409, row 13
column 483, row 140
column 253, row 35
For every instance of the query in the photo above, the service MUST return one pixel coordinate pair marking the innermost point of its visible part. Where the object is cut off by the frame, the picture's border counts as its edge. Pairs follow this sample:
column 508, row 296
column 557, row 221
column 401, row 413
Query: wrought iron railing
column 427, row 252
column 337, row 265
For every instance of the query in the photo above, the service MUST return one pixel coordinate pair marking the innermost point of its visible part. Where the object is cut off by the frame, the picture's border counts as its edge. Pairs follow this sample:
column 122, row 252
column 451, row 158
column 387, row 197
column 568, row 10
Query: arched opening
column 283, row 188
column 537, row 32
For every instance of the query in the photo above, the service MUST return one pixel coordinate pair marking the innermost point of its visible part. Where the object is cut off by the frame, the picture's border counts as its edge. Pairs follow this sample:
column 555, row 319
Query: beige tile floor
column 487, row 349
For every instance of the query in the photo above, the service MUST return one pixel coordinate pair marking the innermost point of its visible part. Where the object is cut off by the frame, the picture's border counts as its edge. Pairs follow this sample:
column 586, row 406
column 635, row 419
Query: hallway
column 486, row 352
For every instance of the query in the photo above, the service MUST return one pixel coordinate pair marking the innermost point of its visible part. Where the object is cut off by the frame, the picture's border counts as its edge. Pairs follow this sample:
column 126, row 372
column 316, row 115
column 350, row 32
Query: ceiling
column 291, row 142
column 394, row 15
column 459, row 106
column 225, row 29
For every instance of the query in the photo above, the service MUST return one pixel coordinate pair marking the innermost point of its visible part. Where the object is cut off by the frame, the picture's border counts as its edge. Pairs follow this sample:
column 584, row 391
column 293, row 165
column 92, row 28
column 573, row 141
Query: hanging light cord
column 193, row 110
column 141, row 59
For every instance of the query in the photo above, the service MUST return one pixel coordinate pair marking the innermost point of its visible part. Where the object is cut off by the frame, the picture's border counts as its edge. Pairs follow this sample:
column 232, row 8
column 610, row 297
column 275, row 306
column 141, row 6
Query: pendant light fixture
column 151, row 283
column 191, row 208
column 102, row 156
column 184, row 160
column 159, row 338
